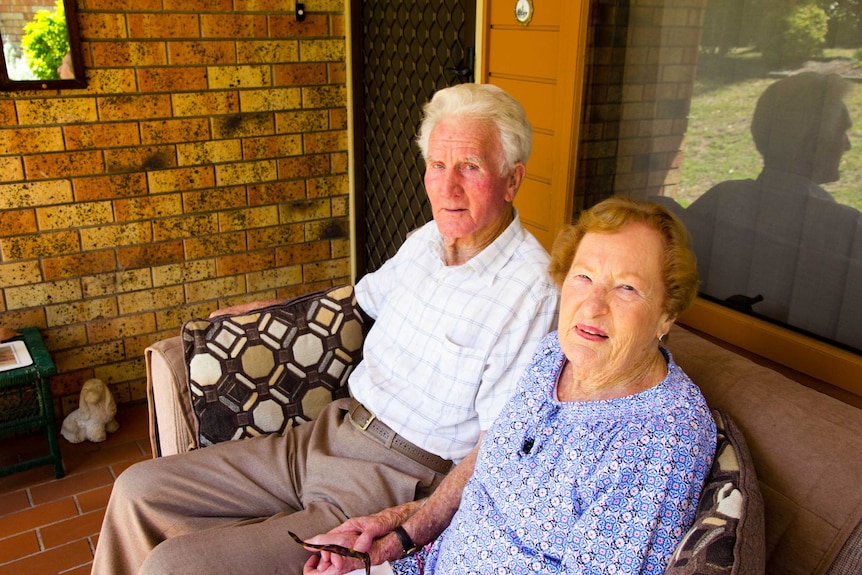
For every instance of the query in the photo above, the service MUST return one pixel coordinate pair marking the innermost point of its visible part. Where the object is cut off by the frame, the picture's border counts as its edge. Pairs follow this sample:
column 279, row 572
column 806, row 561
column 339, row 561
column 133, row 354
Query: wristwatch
column 406, row 542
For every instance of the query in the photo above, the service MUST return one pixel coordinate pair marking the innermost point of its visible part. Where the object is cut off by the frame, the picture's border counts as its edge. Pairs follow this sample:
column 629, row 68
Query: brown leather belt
column 366, row 421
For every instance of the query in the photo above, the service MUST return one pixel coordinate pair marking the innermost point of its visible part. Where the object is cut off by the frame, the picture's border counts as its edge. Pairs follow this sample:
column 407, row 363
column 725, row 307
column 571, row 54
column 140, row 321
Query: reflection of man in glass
column 782, row 237
column 66, row 68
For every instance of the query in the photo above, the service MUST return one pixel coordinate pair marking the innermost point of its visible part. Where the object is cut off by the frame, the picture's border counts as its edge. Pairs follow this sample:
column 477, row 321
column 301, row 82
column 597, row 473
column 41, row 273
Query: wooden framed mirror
column 41, row 46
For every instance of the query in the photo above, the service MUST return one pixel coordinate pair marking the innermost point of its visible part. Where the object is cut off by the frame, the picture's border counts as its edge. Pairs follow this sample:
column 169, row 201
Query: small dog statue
column 94, row 418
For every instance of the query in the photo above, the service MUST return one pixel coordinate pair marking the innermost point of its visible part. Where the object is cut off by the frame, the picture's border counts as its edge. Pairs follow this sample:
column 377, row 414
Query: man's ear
column 515, row 179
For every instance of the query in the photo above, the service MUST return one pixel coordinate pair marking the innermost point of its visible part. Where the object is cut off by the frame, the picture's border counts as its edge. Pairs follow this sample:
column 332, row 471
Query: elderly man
column 458, row 312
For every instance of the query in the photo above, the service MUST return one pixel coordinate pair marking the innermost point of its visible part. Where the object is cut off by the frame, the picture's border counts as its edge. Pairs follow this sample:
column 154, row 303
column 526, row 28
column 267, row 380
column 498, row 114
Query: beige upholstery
column 806, row 446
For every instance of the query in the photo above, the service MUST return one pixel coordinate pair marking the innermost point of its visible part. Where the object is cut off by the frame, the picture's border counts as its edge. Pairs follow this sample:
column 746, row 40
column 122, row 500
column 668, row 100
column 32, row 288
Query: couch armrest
column 173, row 426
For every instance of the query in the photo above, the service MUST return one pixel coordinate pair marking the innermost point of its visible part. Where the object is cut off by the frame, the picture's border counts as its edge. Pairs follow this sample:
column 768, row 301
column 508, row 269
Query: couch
column 784, row 496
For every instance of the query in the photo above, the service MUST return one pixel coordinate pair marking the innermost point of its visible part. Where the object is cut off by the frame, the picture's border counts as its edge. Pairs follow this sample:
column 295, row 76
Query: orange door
column 541, row 64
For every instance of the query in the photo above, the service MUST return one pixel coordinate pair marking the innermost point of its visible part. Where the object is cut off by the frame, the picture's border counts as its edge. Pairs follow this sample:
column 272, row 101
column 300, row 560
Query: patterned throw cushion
column 727, row 537
column 266, row 370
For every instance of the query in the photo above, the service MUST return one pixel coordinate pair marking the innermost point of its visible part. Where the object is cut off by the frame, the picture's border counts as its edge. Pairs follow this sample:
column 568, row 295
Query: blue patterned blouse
column 604, row 487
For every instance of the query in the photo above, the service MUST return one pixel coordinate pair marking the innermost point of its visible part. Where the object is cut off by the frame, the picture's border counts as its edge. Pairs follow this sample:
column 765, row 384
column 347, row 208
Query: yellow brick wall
column 204, row 165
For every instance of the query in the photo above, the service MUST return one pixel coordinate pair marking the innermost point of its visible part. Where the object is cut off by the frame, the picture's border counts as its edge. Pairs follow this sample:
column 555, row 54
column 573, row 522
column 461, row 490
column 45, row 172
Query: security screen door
column 404, row 51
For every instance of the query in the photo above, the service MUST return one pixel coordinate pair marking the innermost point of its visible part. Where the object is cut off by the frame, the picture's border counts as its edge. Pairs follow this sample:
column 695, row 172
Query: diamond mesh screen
column 408, row 51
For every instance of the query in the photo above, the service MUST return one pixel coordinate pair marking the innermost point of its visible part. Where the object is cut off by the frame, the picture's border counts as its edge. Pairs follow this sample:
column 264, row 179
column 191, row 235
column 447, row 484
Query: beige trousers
column 227, row 508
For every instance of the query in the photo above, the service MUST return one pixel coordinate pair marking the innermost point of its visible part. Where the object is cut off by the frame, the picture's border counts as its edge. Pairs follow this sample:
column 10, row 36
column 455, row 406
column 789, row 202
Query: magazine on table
column 14, row 354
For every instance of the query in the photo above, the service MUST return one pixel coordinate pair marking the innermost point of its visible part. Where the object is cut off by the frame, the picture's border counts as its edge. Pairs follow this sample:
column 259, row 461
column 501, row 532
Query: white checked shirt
column 450, row 342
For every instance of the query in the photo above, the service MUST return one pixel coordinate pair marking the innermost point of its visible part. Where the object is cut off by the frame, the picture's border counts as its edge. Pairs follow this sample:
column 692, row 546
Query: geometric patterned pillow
column 727, row 537
column 264, row 371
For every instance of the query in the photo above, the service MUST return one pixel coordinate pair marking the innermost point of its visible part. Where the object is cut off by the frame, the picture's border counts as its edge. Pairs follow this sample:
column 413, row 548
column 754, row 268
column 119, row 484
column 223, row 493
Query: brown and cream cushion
column 727, row 537
column 269, row 369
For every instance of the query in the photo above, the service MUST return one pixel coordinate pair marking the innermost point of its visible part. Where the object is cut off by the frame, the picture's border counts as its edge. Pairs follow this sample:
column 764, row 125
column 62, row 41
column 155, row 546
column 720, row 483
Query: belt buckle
column 364, row 426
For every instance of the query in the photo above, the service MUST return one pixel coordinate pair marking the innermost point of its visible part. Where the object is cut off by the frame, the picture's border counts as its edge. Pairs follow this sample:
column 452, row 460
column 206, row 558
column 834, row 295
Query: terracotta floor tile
column 79, row 527
column 70, row 485
column 101, row 458
column 52, row 561
column 94, row 499
column 18, row 546
column 38, row 516
column 14, row 501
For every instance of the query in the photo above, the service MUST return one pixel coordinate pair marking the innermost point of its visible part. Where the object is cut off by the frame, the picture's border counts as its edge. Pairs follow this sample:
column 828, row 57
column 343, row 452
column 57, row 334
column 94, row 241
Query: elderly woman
column 597, row 462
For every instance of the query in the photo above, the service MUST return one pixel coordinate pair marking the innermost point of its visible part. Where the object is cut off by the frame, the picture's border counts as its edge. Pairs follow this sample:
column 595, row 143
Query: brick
column 207, row 200
column 41, row 294
column 94, row 498
column 109, row 284
column 155, row 25
column 322, row 50
column 150, row 254
column 202, row 52
column 246, row 262
column 304, row 166
column 153, row 299
column 209, row 152
column 7, row 113
column 245, row 219
column 171, row 131
column 317, row 142
column 329, row 186
column 215, row 288
column 75, row 215
column 328, row 270
column 273, row 99
column 31, row 140
column 209, row 246
column 116, row 235
column 11, row 169
column 229, row 77
column 172, row 79
column 56, row 111
column 85, row 310
column 117, row 328
column 147, row 207
column 273, row 237
column 107, row 135
column 208, row 103
column 88, row 356
column 301, row 121
column 19, row 273
column 110, row 186
column 130, row 53
column 140, row 158
column 299, row 74
column 305, row 211
column 324, row 97
column 101, row 26
column 181, row 179
column 69, row 486
column 275, row 51
column 327, row 230
column 274, row 279
column 233, row 25
column 183, row 272
column 243, row 125
column 276, row 192
column 340, row 162
column 75, row 265
column 200, row 5
column 60, row 165
column 338, row 119
column 15, row 222
column 288, row 27
column 246, row 173
column 185, row 227
column 303, row 253
column 72, row 529
column 19, row 546
column 112, row 108
column 39, row 245
column 272, row 147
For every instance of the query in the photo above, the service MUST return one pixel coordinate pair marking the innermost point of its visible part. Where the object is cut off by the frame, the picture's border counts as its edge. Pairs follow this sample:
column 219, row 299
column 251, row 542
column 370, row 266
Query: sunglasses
column 338, row 550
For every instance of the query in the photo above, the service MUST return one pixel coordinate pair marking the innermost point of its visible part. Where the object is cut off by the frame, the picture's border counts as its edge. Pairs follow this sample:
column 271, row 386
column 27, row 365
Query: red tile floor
column 49, row 525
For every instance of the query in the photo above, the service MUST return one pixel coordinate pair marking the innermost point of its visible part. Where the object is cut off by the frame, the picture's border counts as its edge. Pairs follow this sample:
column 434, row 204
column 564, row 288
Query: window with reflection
column 742, row 117
column 40, row 45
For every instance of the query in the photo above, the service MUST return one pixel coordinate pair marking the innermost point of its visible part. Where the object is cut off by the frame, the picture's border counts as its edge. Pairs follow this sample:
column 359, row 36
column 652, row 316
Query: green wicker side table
column 26, row 403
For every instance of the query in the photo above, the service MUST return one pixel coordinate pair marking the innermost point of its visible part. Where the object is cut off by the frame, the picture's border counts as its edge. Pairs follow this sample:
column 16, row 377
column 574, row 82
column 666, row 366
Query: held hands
column 364, row 534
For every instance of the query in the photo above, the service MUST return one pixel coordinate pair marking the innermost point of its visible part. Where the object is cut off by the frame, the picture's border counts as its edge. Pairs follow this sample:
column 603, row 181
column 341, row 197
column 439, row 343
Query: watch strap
column 406, row 542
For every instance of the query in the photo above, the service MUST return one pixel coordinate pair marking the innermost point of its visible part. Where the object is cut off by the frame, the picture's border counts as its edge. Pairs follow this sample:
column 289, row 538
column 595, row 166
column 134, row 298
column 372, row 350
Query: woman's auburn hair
column 679, row 267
